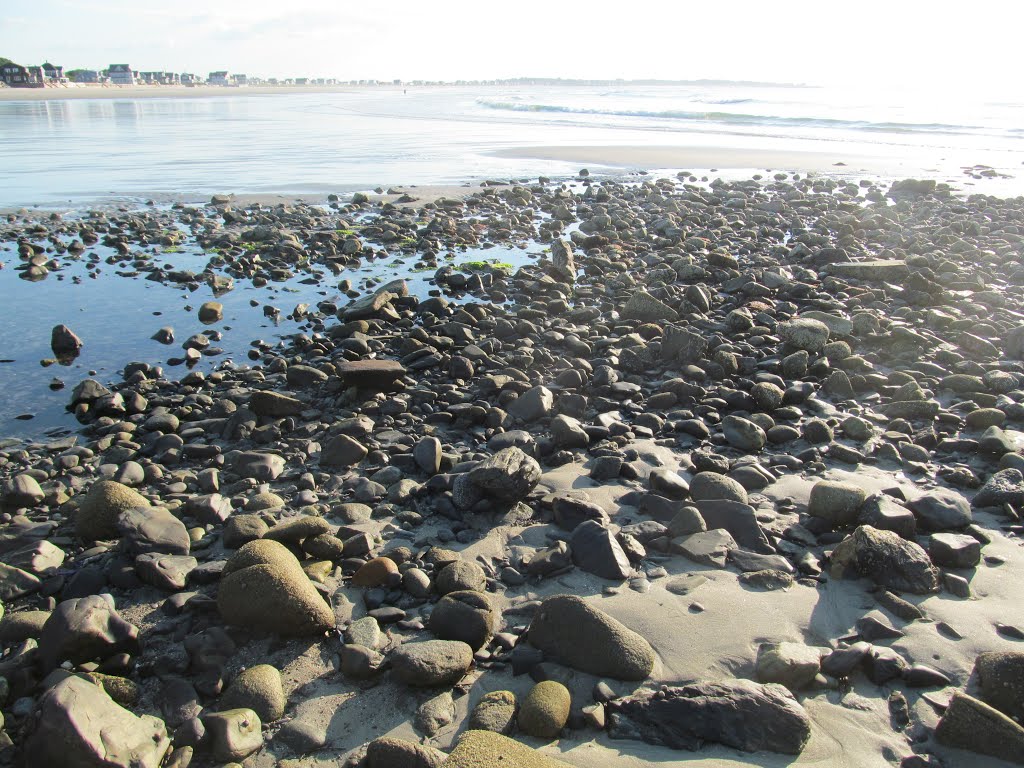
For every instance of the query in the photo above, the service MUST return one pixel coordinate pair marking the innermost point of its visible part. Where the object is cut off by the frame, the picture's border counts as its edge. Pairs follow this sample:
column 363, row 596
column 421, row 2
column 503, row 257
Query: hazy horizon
column 905, row 46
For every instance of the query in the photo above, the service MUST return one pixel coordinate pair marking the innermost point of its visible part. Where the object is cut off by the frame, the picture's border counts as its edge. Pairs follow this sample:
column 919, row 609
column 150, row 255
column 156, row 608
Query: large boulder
column 264, row 587
column 466, row 615
column 887, row 559
column 80, row 726
column 596, row 550
column 545, row 710
column 153, row 530
column 739, row 713
column 941, row 510
column 486, row 749
column 836, row 502
column 1001, row 680
column 21, row 491
column 804, row 333
column 103, row 504
column 507, row 476
column 647, row 309
column 431, row 662
column 257, row 688
column 84, row 629
column 975, row 726
column 574, row 632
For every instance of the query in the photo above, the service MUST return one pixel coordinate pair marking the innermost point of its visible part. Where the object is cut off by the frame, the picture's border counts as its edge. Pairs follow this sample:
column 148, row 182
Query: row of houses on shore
column 18, row 76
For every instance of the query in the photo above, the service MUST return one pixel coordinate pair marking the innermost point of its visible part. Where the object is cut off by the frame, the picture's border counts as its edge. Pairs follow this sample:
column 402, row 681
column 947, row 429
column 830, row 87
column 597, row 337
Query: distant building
column 121, row 74
column 219, row 78
column 170, row 78
column 190, row 79
column 86, row 76
column 239, row 80
column 53, row 72
column 302, row 81
column 17, row 76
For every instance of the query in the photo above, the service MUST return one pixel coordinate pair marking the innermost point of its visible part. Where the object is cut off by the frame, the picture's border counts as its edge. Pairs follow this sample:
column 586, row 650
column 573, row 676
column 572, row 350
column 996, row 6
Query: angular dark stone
column 738, row 713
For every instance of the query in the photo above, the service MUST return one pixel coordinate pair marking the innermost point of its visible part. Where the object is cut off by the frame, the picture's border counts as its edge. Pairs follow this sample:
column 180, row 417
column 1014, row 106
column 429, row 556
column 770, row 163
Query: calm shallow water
column 58, row 153
column 116, row 315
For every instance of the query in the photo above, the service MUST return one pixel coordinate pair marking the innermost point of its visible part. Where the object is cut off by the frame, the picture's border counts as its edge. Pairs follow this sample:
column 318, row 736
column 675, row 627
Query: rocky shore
column 733, row 468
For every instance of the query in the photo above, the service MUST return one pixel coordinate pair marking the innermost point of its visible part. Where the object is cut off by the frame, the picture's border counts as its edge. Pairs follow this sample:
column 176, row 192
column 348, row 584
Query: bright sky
column 933, row 44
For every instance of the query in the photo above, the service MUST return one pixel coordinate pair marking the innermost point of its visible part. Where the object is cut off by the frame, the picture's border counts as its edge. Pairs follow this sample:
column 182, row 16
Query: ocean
column 59, row 153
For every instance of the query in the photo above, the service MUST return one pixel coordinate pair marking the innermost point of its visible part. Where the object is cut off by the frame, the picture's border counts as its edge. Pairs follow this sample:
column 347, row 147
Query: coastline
column 167, row 91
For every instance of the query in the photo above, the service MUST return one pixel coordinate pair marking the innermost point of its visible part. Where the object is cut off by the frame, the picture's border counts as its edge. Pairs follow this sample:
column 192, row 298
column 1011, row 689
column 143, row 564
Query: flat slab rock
column 739, row 713
column 370, row 374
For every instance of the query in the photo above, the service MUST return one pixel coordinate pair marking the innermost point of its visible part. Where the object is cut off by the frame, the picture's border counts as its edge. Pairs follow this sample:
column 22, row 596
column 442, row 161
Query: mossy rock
column 545, row 711
column 98, row 512
column 484, row 749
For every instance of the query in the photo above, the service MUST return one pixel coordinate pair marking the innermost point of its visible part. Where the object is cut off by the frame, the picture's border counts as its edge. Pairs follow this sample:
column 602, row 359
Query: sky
column 932, row 45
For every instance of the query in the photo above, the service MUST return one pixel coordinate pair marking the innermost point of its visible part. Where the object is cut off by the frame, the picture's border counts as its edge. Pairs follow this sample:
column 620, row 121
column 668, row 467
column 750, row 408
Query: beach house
column 189, row 79
column 53, row 72
column 219, row 78
column 121, row 74
column 16, row 76
column 85, row 76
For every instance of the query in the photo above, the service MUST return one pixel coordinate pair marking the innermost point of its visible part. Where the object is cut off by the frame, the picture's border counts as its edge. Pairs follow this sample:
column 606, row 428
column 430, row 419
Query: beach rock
column 389, row 752
column 80, row 726
column 682, row 345
column 379, row 375
column 871, row 271
column 211, row 312
column 167, row 572
column 22, row 491
column 275, row 405
column 707, row 548
column 793, row 665
column 64, row 342
column 435, row 713
column 264, row 587
column 667, row 483
column 84, row 629
column 743, row 434
column 262, row 467
column 431, row 663
column 574, row 632
column 882, row 512
column 257, row 688
column 563, row 259
column 1004, row 487
column 232, row 735
column 545, row 710
column 837, row 503
column 496, row 712
column 342, row 451
column 887, row 559
column 1001, row 681
column 146, row 530
column 460, row 575
column 596, row 550
column 375, row 573
column 941, row 510
column 804, row 333
column 427, row 454
column 533, row 404
column 711, row 485
column 476, row 749
column 467, row 616
column 647, row 309
column 739, row 520
column 954, row 550
column 98, row 512
column 507, row 476
column 570, row 511
column 739, row 713
column 976, row 727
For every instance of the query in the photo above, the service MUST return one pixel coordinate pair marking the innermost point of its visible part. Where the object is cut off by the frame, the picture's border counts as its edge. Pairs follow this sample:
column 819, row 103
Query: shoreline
column 172, row 91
